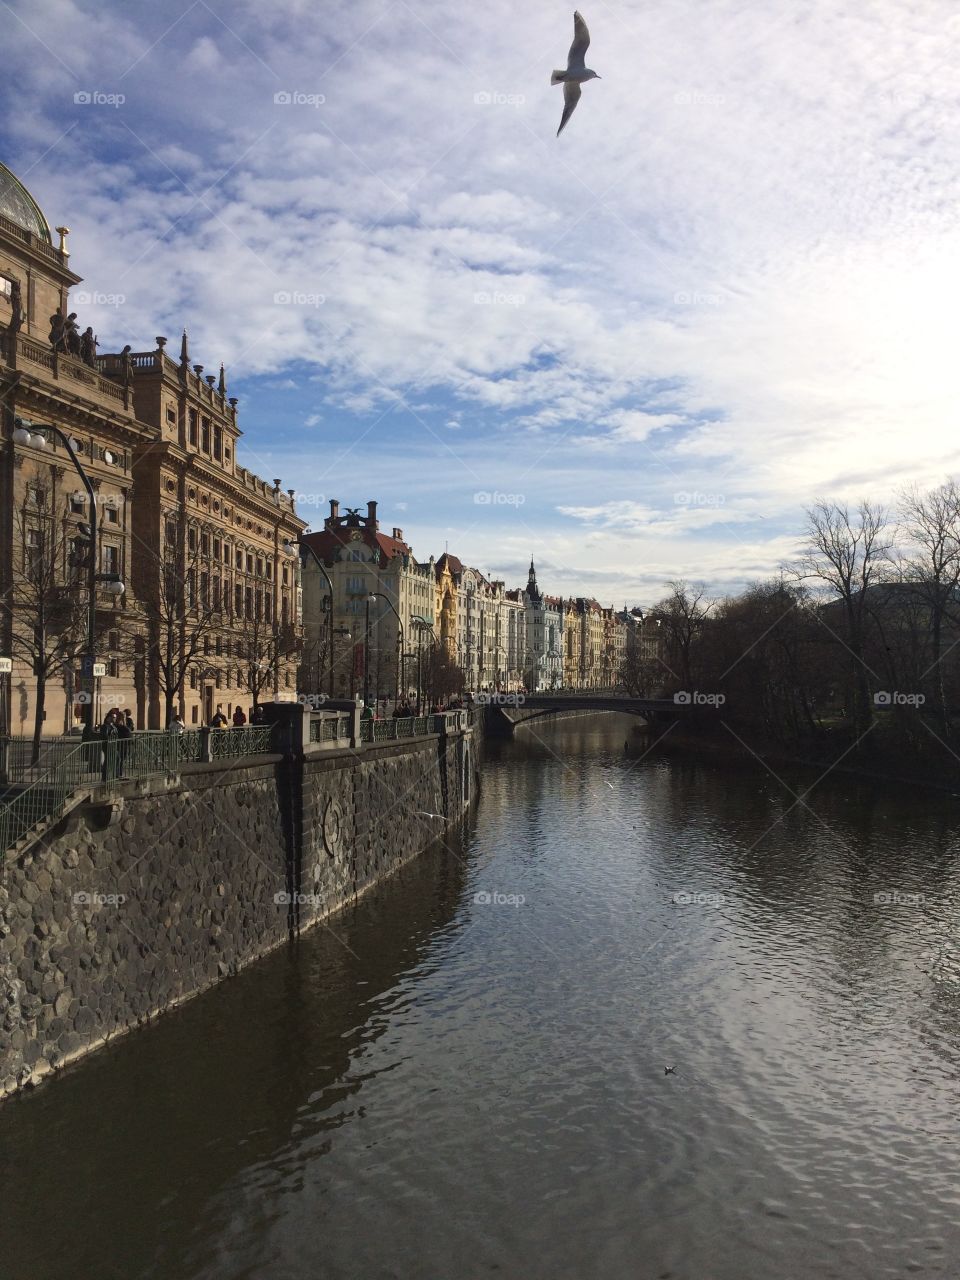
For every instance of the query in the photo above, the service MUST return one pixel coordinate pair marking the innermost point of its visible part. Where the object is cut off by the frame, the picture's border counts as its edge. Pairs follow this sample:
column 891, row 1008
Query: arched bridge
column 505, row 710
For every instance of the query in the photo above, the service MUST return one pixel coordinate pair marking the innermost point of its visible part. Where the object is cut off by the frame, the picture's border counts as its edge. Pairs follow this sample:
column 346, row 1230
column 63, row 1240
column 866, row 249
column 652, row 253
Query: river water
column 465, row 1076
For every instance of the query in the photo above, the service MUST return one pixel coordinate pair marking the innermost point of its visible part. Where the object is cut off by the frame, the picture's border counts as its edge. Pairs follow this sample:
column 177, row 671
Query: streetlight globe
column 115, row 588
column 38, row 441
column 21, row 436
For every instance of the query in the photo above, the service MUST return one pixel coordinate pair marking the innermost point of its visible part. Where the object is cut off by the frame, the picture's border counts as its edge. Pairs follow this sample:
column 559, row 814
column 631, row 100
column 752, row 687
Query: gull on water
column 576, row 73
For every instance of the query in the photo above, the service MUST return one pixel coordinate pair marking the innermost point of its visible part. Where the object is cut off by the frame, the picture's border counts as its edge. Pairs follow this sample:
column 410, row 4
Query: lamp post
column 422, row 625
column 305, row 549
column 401, row 680
column 371, row 599
column 35, row 439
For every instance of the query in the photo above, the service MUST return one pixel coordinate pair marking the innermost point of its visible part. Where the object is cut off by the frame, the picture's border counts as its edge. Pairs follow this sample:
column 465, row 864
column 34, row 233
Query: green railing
column 251, row 740
column 80, row 769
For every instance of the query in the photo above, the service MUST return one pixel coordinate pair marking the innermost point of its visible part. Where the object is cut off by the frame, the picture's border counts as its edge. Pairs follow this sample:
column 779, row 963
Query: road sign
column 6, row 666
column 99, row 669
column 90, row 668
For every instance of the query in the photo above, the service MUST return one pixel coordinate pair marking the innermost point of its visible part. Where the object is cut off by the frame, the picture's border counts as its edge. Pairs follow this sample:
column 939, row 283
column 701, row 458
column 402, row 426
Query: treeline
column 854, row 649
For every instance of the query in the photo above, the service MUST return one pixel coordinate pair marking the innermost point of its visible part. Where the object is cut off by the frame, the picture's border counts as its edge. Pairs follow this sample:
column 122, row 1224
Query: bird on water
column 577, row 71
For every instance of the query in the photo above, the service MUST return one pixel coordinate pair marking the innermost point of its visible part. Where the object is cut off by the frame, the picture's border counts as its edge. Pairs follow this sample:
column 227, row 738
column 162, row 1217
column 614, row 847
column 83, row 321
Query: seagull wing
column 581, row 43
column 571, row 96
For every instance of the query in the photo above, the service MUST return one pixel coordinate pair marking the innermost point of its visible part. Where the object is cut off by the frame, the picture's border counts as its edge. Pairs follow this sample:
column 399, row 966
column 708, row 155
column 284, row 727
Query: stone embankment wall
column 152, row 891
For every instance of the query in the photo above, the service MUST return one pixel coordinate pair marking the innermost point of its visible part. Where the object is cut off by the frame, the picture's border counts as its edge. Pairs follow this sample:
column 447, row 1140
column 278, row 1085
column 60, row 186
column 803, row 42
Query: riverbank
column 835, row 757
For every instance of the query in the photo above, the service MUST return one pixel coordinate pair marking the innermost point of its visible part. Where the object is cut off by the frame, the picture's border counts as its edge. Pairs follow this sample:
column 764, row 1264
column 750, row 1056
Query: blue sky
column 728, row 288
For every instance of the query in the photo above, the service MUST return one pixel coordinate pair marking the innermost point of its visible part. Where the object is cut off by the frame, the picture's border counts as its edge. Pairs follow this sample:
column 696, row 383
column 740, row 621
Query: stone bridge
column 504, row 712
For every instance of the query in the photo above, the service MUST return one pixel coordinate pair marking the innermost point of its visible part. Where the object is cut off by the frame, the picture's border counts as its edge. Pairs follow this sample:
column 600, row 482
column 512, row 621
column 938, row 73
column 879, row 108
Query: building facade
column 195, row 599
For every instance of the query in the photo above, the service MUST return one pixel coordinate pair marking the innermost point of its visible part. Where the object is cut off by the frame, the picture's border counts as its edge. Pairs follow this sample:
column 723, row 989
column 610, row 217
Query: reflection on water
column 465, row 1075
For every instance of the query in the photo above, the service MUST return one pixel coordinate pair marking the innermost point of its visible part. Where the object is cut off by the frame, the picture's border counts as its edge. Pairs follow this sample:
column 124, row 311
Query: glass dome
column 17, row 204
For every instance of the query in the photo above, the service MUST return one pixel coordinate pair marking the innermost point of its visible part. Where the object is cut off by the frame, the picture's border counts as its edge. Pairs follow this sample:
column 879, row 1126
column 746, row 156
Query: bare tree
column 181, row 609
column 266, row 647
column 847, row 553
column 931, row 523
column 682, row 615
column 46, row 600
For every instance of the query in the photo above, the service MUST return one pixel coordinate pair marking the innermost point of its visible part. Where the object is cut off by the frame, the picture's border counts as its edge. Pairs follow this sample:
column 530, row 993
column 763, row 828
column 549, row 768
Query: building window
column 111, row 559
column 216, row 548
column 112, row 515
column 205, row 434
column 193, row 426
column 193, row 709
column 249, row 563
column 192, row 539
column 217, row 443
column 33, row 553
column 226, row 455
column 78, row 503
column 205, row 544
column 6, row 287
column 238, row 601
column 113, row 668
column 171, row 414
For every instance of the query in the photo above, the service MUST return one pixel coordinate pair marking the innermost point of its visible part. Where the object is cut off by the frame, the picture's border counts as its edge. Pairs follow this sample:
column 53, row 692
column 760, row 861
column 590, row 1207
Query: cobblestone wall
column 140, row 901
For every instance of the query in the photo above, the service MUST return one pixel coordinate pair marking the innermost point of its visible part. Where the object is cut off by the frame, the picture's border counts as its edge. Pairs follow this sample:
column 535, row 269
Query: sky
column 635, row 352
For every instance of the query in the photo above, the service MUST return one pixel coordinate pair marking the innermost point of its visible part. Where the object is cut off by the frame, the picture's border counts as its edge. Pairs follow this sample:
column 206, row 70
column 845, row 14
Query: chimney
column 398, row 534
column 334, row 515
column 372, row 516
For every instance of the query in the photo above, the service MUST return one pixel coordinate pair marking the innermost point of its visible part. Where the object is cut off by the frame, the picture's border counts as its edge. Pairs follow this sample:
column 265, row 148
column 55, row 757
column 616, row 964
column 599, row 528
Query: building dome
column 17, row 204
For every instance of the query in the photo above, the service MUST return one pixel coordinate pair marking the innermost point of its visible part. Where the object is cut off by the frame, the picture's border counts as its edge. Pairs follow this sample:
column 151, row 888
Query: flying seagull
column 576, row 72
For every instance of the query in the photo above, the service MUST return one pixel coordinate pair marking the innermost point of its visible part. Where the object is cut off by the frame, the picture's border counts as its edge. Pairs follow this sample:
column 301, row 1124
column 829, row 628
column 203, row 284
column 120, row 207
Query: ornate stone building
column 208, row 611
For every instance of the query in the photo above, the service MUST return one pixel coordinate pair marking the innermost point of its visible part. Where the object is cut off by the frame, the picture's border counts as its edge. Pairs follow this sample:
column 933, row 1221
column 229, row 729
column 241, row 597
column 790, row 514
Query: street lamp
column 422, row 625
column 371, row 599
column 303, row 549
column 401, row 674
column 112, row 582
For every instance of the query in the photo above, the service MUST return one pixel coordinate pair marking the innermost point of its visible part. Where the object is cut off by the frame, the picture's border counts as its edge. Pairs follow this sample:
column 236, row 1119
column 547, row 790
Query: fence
column 65, row 767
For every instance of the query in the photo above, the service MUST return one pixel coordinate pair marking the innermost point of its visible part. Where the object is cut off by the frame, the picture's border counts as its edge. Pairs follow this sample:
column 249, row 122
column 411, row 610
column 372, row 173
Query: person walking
column 124, row 726
column 108, row 738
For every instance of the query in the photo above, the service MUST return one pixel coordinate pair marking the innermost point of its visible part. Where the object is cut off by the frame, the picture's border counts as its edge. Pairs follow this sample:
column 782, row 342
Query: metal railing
column 78, row 770
column 65, row 766
column 248, row 740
